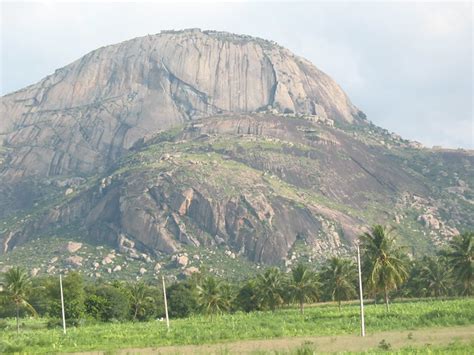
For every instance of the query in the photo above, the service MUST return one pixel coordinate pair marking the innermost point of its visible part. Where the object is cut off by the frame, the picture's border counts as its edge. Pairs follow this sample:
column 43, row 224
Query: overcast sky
column 408, row 66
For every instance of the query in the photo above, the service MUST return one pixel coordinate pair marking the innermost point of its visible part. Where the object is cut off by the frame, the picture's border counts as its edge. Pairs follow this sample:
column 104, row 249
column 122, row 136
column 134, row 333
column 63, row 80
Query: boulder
column 74, row 260
column 190, row 270
column 107, row 260
column 157, row 268
column 72, row 247
column 182, row 260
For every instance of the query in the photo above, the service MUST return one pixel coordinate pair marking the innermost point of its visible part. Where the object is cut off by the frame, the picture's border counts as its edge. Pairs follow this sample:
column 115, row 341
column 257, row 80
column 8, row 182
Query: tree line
column 387, row 272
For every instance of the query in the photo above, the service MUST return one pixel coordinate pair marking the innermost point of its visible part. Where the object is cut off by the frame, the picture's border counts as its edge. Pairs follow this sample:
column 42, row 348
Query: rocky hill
column 208, row 142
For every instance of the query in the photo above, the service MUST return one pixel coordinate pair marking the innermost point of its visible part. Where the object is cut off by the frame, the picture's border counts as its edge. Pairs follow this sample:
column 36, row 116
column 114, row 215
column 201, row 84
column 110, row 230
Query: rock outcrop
column 85, row 115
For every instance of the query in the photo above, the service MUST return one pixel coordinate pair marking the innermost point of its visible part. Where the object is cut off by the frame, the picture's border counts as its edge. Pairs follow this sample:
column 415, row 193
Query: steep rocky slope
column 258, row 185
column 205, row 142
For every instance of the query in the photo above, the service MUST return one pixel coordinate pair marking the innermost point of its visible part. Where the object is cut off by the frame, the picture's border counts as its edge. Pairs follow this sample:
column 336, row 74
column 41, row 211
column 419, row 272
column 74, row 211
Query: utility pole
column 166, row 303
column 361, row 295
column 62, row 303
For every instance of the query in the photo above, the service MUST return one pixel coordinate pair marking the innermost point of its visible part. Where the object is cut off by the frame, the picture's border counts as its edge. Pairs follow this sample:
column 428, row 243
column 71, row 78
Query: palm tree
column 139, row 297
column 303, row 285
column 212, row 297
column 339, row 278
column 17, row 284
column 461, row 259
column 270, row 286
column 435, row 275
column 383, row 261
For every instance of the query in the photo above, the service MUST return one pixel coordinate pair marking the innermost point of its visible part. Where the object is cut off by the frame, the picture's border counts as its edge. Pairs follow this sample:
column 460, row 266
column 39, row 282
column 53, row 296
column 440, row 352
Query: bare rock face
column 82, row 117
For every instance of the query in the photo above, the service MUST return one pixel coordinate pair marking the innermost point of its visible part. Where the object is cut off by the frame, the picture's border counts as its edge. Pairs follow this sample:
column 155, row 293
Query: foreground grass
column 318, row 320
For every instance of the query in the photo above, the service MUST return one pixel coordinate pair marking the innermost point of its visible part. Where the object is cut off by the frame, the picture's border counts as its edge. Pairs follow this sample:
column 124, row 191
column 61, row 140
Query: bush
column 106, row 303
column 54, row 323
column 9, row 348
column 3, row 324
column 182, row 300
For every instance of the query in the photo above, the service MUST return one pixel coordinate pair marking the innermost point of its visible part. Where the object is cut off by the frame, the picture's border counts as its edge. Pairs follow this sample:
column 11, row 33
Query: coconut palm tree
column 270, row 288
column 461, row 259
column 339, row 279
column 303, row 285
column 212, row 297
column 384, row 263
column 17, row 284
column 139, row 298
column 435, row 276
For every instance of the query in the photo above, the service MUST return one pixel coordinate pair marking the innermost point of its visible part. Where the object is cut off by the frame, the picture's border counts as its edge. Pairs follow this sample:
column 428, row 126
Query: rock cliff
column 85, row 115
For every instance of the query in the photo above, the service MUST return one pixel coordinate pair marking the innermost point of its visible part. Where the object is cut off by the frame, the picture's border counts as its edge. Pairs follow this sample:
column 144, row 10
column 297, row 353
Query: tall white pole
column 361, row 295
column 166, row 303
column 62, row 303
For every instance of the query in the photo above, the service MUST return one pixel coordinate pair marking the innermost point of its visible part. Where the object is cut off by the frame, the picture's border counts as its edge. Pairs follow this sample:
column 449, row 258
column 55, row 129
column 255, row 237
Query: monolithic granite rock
column 266, row 157
column 81, row 118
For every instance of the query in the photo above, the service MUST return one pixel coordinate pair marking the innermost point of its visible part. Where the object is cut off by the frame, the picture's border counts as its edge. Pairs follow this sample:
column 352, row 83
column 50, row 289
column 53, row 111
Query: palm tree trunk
column 302, row 307
column 386, row 298
column 135, row 314
column 339, row 304
column 17, row 318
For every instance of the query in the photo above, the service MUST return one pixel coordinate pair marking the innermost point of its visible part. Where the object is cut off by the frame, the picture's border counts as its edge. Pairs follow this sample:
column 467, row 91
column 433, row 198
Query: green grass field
column 319, row 320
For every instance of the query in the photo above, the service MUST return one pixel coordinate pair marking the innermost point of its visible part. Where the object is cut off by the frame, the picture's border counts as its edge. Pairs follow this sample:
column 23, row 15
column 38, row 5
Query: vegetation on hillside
column 387, row 273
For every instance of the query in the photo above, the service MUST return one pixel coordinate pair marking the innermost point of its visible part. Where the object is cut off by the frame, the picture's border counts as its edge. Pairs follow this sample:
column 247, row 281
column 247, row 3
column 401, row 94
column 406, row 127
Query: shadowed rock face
column 82, row 117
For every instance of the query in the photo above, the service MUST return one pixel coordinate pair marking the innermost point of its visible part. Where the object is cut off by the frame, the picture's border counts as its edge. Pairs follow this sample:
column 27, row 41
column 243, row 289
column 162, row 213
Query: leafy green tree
column 74, row 298
column 96, row 306
column 210, row 296
column 39, row 297
column 270, row 287
column 182, row 299
column 339, row 277
column 17, row 285
column 384, row 263
column 107, row 302
column 460, row 257
column 303, row 285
